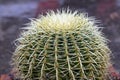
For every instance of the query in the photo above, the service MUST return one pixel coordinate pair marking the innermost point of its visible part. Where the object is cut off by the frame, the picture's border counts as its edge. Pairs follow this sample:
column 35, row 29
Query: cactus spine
column 62, row 46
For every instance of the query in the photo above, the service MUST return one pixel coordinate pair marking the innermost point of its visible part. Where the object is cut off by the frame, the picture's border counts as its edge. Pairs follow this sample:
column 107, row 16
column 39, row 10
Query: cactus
column 64, row 45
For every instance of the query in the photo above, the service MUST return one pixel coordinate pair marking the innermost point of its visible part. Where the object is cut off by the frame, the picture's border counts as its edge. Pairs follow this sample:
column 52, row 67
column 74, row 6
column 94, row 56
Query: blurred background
column 14, row 14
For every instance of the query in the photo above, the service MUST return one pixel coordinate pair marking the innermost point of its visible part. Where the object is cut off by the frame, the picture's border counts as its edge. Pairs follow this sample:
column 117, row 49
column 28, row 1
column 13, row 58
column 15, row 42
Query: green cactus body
column 62, row 46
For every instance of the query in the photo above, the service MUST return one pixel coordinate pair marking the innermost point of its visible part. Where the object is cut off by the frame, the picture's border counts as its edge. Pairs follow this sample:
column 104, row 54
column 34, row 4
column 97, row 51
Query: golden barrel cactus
column 62, row 46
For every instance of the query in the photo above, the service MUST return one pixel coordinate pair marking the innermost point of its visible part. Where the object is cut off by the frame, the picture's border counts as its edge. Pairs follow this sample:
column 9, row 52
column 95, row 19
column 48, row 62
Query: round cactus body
column 62, row 46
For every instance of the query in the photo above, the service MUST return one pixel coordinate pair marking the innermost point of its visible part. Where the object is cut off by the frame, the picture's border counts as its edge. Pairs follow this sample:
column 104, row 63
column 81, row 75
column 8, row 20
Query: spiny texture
column 62, row 46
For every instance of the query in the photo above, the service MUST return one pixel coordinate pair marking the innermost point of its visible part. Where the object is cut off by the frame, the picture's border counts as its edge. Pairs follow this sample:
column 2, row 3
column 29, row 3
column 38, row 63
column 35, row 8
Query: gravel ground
column 9, row 32
column 112, row 32
column 13, row 16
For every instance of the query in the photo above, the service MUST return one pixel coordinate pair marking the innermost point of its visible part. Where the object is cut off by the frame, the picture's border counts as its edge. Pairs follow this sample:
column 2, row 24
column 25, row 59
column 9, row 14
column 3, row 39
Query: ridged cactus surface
column 62, row 46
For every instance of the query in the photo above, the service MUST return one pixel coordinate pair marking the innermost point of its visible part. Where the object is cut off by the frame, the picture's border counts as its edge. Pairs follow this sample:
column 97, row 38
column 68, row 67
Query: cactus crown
column 62, row 46
column 63, row 21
